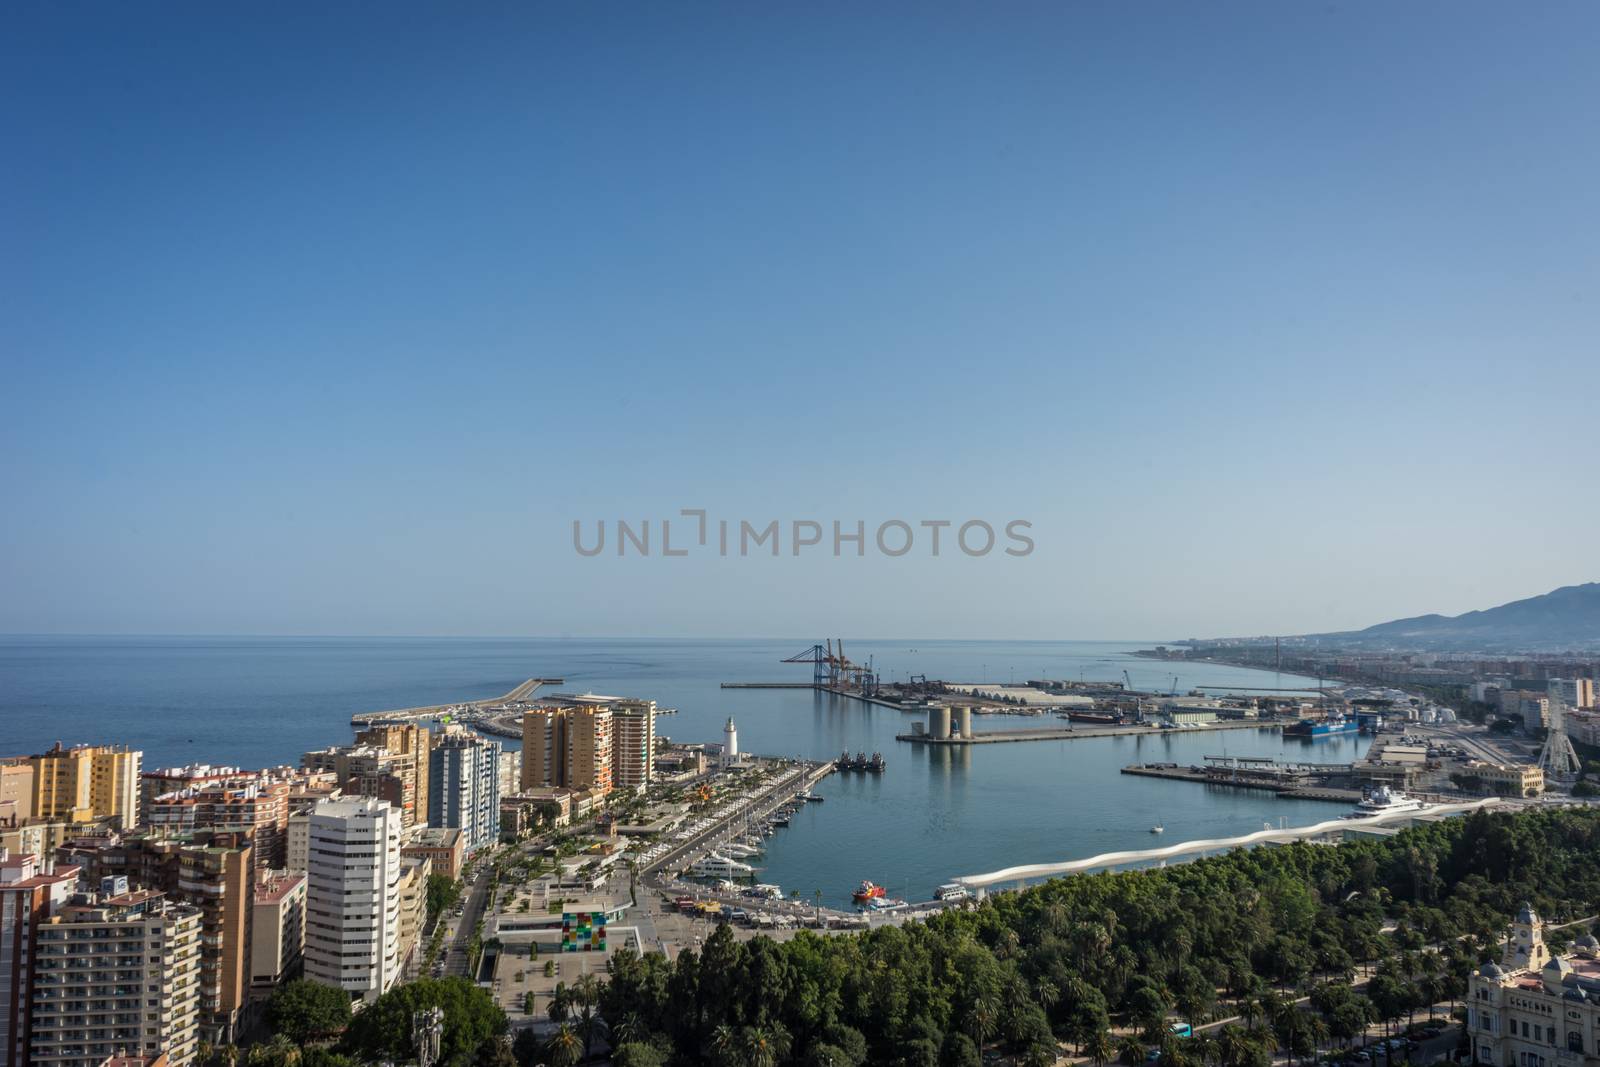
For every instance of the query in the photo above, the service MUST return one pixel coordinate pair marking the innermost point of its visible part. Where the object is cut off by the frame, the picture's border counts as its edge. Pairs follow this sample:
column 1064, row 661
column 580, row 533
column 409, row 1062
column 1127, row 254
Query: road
column 460, row 937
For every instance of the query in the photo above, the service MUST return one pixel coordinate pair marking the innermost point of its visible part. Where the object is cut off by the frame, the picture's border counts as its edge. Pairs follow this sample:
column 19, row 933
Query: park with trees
column 1283, row 953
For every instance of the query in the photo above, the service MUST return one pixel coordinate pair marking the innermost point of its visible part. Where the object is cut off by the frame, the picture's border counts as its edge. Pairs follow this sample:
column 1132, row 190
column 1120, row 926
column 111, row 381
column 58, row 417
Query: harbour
column 934, row 812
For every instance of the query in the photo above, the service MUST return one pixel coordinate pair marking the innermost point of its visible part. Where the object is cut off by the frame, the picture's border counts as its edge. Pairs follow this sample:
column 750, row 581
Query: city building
column 115, row 973
column 510, row 771
column 30, row 892
column 212, row 871
column 16, row 793
column 633, row 743
column 409, row 742
column 465, row 787
column 352, row 896
column 1506, row 779
column 568, row 747
column 86, row 783
column 441, row 846
column 1535, row 1009
column 414, row 871
column 277, row 929
column 371, row 771
column 1573, row 692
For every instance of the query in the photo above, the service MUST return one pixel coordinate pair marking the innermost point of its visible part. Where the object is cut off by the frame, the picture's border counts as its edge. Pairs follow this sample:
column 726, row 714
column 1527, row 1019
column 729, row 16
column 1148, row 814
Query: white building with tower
column 1535, row 1009
column 730, row 742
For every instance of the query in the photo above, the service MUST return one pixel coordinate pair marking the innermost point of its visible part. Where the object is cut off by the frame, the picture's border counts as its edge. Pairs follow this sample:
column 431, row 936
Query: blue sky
column 1269, row 317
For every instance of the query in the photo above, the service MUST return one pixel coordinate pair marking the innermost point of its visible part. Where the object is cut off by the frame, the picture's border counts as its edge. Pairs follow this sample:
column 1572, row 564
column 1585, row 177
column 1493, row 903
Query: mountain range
column 1565, row 618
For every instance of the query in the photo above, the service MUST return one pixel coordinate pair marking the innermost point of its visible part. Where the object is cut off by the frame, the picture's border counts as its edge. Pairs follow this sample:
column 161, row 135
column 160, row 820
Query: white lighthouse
column 730, row 742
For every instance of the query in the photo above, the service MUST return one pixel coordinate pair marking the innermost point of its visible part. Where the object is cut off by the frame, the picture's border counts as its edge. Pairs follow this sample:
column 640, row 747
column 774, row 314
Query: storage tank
column 939, row 724
column 963, row 724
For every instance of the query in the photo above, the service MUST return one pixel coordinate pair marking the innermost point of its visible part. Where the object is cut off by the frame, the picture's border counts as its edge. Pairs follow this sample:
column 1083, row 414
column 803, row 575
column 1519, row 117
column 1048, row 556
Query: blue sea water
column 934, row 814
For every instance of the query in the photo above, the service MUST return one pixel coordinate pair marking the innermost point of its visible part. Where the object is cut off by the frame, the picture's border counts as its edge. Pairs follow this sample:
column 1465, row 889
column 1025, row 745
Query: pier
column 1077, row 733
column 1287, row 786
column 463, row 708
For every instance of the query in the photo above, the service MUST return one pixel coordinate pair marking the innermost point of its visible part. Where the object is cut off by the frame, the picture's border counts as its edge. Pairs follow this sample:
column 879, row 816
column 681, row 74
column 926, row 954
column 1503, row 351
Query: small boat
column 868, row 891
column 1158, row 829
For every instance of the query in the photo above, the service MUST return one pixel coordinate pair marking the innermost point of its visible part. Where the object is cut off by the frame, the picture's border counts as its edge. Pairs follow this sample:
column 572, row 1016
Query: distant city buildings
column 353, row 896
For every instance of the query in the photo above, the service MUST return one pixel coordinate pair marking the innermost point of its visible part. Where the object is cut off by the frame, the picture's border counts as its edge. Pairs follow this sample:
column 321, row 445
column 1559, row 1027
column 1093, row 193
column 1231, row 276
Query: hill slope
column 1568, row 617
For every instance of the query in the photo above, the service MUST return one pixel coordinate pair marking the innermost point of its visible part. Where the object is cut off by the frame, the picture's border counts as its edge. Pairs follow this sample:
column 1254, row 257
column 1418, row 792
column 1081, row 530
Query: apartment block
column 30, row 892
column 570, row 747
column 353, row 896
column 371, row 771
column 633, row 744
column 212, row 871
column 414, row 871
column 465, row 787
column 410, row 742
column 86, row 783
column 116, row 974
column 277, row 929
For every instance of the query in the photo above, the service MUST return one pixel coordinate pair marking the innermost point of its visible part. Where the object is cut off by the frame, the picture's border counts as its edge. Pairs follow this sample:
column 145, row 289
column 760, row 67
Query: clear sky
column 1270, row 317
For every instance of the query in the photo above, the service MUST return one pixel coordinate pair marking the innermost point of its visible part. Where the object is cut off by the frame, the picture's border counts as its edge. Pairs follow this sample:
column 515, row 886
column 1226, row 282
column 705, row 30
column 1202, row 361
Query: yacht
column 1158, row 829
column 1385, row 801
column 715, row 866
column 739, row 851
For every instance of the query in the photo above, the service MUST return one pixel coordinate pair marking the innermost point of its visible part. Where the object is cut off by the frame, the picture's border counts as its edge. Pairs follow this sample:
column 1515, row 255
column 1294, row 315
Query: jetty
column 1081, row 732
column 465, row 710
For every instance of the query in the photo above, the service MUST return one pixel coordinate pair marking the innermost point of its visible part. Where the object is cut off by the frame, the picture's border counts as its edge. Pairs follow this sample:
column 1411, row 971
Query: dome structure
column 1491, row 970
column 1554, row 973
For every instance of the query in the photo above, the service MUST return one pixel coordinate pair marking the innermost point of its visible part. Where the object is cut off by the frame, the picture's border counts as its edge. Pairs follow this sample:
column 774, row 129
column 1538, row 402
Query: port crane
column 830, row 667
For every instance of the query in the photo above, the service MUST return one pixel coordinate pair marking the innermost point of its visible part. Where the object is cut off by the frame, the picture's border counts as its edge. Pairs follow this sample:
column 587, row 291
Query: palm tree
column 1100, row 1048
column 1130, row 1050
column 1233, row 1046
column 723, row 1040
column 765, row 1046
column 630, row 1029
column 564, row 1047
column 983, row 1018
column 1047, row 993
column 1205, row 1047
column 560, row 1003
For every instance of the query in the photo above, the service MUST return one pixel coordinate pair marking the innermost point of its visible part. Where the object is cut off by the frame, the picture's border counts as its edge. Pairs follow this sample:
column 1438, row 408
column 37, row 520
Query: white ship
column 1384, row 801
column 715, row 866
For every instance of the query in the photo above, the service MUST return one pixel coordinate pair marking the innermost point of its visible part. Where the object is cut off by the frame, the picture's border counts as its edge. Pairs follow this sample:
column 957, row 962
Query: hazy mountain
column 1568, row 617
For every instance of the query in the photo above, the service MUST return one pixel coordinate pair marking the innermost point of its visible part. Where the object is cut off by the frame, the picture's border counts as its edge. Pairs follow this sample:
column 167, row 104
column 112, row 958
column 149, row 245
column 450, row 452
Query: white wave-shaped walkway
column 1148, row 855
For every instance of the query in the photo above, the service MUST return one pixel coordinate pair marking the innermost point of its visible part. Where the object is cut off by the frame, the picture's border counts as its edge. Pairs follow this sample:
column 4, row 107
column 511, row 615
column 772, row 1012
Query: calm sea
column 933, row 815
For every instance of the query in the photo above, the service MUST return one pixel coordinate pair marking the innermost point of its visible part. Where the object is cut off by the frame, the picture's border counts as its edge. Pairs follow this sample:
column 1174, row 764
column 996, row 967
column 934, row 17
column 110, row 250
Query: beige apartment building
column 277, row 929
column 633, row 743
column 119, row 975
column 410, row 742
column 86, row 783
column 570, row 747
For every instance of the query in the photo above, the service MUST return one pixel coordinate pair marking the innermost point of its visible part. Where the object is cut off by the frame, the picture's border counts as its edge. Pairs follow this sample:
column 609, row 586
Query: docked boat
column 715, row 866
column 1386, row 801
column 868, row 891
column 1095, row 718
column 860, row 762
column 739, row 852
column 1332, row 725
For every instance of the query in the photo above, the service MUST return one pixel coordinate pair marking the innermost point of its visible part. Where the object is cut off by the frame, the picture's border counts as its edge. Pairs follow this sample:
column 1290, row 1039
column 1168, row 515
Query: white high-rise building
column 353, row 896
column 464, row 787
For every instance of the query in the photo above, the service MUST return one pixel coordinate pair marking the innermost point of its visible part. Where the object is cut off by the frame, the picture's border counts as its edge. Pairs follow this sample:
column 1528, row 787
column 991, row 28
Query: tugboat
column 860, row 762
column 868, row 891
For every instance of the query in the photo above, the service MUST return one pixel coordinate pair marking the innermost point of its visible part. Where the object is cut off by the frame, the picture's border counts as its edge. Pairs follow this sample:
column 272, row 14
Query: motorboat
column 715, row 866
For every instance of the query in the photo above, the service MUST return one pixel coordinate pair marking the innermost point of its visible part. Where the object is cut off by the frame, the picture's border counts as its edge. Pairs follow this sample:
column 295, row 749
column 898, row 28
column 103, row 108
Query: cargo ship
column 1096, row 718
column 1335, row 724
